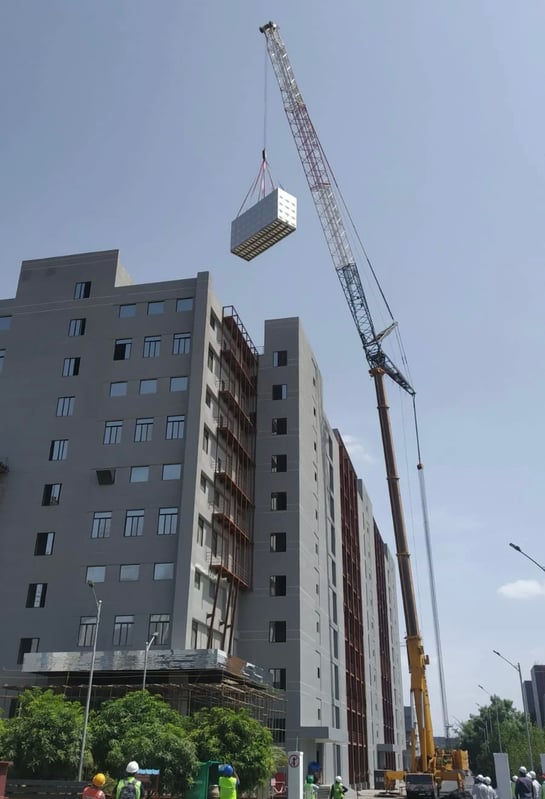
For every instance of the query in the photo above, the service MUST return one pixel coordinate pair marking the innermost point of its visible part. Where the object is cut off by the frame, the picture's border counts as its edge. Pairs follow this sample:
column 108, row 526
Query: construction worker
column 491, row 792
column 309, row 788
column 479, row 790
column 129, row 787
column 337, row 790
column 228, row 781
column 524, row 788
column 94, row 791
column 535, row 783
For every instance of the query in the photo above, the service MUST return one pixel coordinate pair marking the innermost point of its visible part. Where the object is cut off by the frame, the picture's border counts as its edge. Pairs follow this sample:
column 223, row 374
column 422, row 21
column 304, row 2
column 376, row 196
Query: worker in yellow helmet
column 94, row 791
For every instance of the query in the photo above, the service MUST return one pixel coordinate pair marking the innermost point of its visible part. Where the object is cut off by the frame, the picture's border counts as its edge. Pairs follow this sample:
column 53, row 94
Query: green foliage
column 142, row 727
column 481, row 735
column 234, row 737
column 44, row 739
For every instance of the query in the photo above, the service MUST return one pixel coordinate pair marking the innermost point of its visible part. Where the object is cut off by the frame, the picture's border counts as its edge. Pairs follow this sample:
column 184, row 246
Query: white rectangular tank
column 262, row 225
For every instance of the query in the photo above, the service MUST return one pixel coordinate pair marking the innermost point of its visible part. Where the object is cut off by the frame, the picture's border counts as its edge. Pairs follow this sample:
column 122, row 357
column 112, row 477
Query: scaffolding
column 234, row 475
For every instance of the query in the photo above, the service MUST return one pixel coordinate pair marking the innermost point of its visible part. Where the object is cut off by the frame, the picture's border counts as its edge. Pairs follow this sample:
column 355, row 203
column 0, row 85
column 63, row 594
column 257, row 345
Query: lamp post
column 518, row 549
column 98, row 603
column 517, row 668
column 146, row 651
column 497, row 714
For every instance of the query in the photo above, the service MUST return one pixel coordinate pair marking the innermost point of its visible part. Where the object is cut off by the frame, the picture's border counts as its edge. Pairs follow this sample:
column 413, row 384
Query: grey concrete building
column 148, row 448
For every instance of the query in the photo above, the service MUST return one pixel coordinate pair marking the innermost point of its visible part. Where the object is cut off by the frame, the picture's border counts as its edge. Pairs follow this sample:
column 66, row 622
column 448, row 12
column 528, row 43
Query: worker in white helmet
column 535, row 784
column 524, row 788
column 479, row 790
column 491, row 792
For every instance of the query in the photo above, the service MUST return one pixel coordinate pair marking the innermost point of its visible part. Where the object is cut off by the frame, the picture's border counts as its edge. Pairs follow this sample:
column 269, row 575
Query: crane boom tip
column 268, row 26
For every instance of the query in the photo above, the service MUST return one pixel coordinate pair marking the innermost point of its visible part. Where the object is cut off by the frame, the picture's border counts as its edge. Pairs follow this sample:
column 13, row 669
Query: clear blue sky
column 139, row 126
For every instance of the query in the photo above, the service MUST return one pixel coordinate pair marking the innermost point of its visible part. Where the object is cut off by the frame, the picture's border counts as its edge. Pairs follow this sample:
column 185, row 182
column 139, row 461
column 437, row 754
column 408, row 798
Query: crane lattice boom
column 321, row 183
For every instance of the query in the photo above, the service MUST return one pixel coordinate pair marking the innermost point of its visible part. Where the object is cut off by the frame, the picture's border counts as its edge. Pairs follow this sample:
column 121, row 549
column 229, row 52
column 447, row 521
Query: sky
column 139, row 126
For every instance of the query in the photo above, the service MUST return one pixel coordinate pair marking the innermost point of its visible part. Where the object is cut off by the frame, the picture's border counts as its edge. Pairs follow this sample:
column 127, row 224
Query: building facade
column 155, row 460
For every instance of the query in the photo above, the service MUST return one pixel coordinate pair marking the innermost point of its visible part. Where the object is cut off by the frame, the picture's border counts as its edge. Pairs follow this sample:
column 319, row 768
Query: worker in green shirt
column 228, row 781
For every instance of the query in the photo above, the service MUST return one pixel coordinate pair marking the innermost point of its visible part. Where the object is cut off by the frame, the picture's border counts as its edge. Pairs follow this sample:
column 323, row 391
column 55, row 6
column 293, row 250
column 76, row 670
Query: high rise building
column 150, row 452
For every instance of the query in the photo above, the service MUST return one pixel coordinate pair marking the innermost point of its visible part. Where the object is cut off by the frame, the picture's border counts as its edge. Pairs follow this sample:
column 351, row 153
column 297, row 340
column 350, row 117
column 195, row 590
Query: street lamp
column 146, row 650
column 517, row 668
column 98, row 603
column 497, row 715
column 518, row 549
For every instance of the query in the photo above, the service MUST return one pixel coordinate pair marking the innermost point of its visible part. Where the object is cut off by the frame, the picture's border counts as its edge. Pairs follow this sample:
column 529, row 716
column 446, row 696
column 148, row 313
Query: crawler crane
column 429, row 765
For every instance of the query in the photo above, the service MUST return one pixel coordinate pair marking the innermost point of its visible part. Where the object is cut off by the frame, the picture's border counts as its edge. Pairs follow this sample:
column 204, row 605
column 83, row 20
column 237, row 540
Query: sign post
column 295, row 775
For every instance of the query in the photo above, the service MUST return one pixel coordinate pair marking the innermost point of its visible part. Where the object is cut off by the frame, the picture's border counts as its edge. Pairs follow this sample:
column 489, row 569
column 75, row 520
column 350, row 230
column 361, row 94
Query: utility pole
column 497, row 714
column 526, row 717
column 98, row 603
column 146, row 651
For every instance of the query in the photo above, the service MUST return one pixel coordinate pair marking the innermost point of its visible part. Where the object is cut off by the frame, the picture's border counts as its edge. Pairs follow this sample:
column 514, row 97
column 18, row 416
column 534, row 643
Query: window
column 277, row 585
column 76, row 327
column 82, row 290
column 184, row 304
column 172, row 471
column 51, row 494
column 105, row 477
column 44, row 543
column 87, row 627
column 163, row 571
column 181, row 343
column 197, row 579
column 95, row 574
column 194, row 634
column 204, row 483
column 277, row 632
column 148, row 386
column 332, row 539
column 27, row 645
column 213, row 320
column 102, row 524
column 159, row 623
column 5, row 322
column 118, row 389
column 127, row 310
column 129, row 572
column 278, row 678
column 167, row 521
column 279, row 426
column 279, row 500
column 214, row 544
column 206, row 440
column 65, row 406
column 58, row 449
column 122, row 349
column 280, row 391
column 178, row 383
column 112, row 432
column 210, row 359
column 278, row 542
column 143, row 429
column 123, row 626
column 36, row 594
column 156, row 307
column 280, row 358
column 134, row 523
column 208, row 399
column 152, row 347
column 330, row 447
column 200, row 531
column 70, row 367
column 175, row 427
column 139, row 474
column 2, row 359
column 279, row 463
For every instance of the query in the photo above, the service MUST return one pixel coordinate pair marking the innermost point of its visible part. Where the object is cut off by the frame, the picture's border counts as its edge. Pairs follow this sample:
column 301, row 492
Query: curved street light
column 497, row 714
column 517, row 668
column 98, row 603
column 518, row 549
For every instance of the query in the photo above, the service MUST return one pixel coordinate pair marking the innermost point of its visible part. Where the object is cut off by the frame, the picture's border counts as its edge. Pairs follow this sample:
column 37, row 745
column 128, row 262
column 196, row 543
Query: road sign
column 293, row 761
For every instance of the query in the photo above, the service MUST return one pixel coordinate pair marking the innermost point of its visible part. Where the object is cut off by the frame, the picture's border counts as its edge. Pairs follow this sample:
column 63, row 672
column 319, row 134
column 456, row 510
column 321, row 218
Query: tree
column 233, row 736
column 481, row 734
column 44, row 739
column 142, row 727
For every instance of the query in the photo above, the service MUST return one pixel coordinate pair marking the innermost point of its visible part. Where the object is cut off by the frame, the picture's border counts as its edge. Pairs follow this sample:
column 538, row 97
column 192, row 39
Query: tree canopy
column 233, row 736
column 142, row 727
column 44, row 739
column 500, row 727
